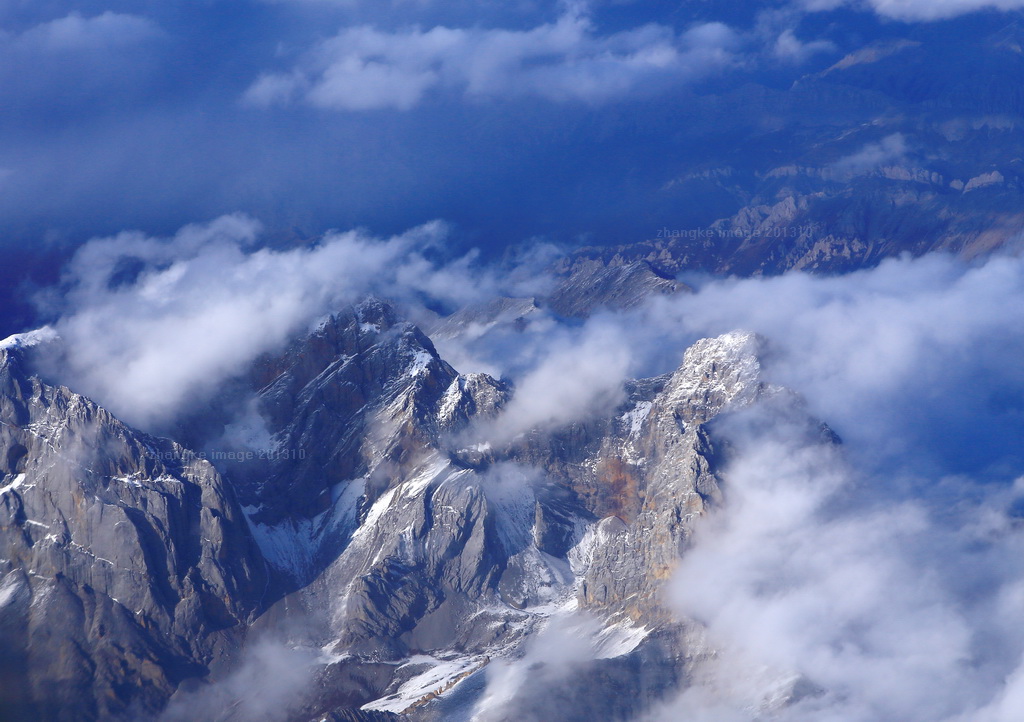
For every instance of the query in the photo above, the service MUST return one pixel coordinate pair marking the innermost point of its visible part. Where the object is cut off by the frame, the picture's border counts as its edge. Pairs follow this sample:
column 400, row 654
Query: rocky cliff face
column 664, row 461
column 362, row 401
column 127, row 564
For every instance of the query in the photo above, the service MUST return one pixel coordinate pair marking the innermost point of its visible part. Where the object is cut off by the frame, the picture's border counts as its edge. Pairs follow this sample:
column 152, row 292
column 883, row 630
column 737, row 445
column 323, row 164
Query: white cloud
column 574, row 374
column 562, row 647
column 869, row 350
column 266, row 684
column 919, row 10
column 74, row 32
column 364, row 68
column 790, row 48
column 72, row 60
column 153, row 323
column 884, row 608
column 775, row 31
column 907, row 353
column 891, row 149
column 888, row 573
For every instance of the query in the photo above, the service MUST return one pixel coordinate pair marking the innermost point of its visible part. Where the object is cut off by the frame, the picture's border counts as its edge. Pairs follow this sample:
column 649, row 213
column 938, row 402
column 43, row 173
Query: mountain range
column 399, row 557
column 351, row 527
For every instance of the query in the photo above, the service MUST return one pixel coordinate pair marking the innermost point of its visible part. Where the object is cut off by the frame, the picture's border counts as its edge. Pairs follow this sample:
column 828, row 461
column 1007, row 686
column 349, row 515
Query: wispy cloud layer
column 919, row 10
column 100, row 41
column 891, row 149
column 153, row 323
column 75, row 32
column 364, row 68
column 869, row 351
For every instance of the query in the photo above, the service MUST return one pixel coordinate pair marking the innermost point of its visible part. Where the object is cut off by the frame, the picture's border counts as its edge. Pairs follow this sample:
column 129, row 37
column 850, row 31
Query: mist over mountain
column 524, row 361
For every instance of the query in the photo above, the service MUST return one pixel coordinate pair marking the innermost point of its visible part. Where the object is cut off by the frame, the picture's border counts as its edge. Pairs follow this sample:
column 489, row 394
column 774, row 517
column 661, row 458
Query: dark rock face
column 127, row 563
column 360, row 403
column 364, row 390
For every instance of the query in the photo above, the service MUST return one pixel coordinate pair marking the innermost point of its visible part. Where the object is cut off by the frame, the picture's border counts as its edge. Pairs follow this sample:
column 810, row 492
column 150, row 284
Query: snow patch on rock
column 46, row 334
column 16, row 481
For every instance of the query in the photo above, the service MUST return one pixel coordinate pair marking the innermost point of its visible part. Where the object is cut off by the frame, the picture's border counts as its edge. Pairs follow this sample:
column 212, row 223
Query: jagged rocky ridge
column 127, row 564
column 892, row 149
column 412, row 559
